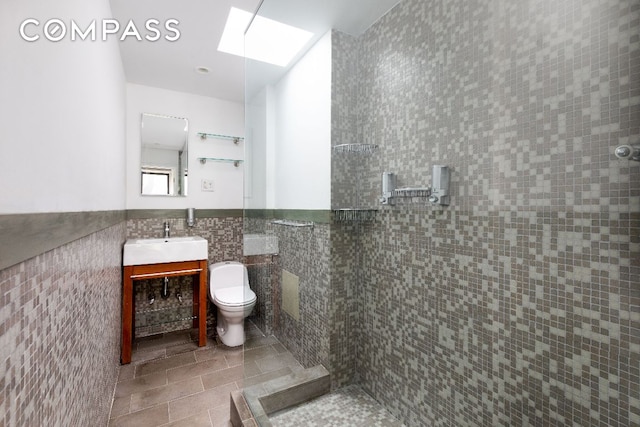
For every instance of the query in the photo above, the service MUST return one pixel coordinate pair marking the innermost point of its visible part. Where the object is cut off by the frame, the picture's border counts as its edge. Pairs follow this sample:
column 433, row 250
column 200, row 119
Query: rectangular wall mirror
column 164, row 156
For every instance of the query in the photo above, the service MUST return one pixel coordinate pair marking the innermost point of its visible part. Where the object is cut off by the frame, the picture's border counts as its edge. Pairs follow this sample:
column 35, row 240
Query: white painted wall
column 62, row 109
column 290, row 141
column 302, row 170
column 255, row 193
column 204, row 114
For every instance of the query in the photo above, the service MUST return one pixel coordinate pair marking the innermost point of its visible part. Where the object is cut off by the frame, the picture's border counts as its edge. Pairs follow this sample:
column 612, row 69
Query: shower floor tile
column 348, row 406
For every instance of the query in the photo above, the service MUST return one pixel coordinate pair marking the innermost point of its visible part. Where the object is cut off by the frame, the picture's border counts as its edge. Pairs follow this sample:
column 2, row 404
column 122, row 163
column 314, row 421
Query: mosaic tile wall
column 517, row 304
column 344, row 304
column 264, row 279
column 225, row 244
column 60, row 333
column 348, row 170
column 305, row 253
column 154, row 314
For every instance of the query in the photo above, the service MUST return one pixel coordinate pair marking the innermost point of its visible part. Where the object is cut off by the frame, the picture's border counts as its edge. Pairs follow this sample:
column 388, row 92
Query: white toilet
column 229, row 291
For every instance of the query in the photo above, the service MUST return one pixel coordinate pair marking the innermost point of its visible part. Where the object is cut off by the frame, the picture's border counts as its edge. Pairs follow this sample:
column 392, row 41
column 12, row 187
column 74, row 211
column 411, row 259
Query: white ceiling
column 171, row 65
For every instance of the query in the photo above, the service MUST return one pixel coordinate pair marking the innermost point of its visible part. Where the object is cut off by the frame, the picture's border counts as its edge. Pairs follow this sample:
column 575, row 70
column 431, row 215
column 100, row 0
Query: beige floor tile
column 201, row 419
column 140, row 384
column 165, row 394
column 280, row 348
column 171, row 380
column 151, row 417
column 164, row 364
column 258, row 353
column 208, row 399
column 127, row 372
column 182, row 348
column 147, row 356
column 220, row 417
column 163, row 341
column 259, row 342
column 251, row 369
column 234, row 359
column 223, row 377
column 250, row 381
column 120, row 406
column 196, row 369
column 271, row 363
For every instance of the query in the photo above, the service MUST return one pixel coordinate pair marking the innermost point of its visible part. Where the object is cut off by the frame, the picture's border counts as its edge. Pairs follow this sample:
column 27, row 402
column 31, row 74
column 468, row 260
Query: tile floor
column 348, row 406
column 172, row 382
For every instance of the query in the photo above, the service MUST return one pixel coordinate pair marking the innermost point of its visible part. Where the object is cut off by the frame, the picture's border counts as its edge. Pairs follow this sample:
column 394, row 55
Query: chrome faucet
column 167, row 230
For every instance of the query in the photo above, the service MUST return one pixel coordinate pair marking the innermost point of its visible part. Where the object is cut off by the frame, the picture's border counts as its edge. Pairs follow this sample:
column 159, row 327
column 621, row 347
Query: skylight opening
column 266, row 40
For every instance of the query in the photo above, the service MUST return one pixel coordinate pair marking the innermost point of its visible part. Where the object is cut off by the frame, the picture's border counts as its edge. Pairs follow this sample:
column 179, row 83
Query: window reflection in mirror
column 163, row 160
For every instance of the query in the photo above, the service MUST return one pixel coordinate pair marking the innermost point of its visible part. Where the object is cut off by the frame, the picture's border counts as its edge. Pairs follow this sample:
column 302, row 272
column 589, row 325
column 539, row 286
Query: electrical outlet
column 207, row 185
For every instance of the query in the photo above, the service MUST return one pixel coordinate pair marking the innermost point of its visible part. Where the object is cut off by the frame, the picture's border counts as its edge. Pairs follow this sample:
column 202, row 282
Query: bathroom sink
column 173, row 249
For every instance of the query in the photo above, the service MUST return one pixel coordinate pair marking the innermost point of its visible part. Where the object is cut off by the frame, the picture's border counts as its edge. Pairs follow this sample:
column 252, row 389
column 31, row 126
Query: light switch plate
column 207, row 185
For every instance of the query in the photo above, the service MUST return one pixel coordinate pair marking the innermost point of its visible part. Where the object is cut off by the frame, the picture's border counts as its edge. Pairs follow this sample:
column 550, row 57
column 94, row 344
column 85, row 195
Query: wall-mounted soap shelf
column 354, row 215
column 412, row 192
column 204, row 160
column 290, row 223
column 236, row 139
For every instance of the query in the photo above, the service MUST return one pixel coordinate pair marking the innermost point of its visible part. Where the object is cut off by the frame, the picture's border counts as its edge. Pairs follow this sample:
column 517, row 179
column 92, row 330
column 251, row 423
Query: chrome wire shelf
column 354, row 215
column 412, row 192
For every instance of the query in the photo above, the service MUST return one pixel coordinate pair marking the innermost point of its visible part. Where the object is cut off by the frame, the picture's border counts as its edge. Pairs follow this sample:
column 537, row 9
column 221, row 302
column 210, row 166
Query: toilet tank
column 228, row 274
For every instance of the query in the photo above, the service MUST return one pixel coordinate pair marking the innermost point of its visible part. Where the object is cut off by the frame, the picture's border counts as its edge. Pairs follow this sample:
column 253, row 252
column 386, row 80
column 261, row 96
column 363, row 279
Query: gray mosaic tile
column 60, row 333
column 349, row 406
column 511, row 306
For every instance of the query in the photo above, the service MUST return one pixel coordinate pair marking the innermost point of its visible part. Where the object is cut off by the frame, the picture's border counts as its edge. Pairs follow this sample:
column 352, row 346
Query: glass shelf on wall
column 236, row 139
column 236, row 162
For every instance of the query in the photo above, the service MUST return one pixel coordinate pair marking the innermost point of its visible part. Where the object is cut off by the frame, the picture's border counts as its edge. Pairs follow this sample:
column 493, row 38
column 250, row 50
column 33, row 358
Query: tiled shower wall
column 304, row 252
column 517, row 304
column 224, row 236
column 60, row 319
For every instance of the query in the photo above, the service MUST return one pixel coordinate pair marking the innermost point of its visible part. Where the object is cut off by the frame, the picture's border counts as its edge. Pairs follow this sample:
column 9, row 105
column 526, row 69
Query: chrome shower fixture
column 388, row 186
column 440, row 179
column 631, row 152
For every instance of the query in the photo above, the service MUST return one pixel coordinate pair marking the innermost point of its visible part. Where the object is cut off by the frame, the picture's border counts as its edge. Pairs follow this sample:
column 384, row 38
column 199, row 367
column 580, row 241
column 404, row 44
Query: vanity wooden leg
column 202, row 305
column 195, row 285
column 127, row 316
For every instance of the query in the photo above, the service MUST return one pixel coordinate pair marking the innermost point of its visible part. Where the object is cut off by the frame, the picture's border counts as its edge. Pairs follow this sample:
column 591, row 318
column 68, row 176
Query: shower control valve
column 628, row 152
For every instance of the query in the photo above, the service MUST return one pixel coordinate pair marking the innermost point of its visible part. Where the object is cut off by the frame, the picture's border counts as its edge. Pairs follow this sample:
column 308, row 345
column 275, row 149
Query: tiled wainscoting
column 60, row 329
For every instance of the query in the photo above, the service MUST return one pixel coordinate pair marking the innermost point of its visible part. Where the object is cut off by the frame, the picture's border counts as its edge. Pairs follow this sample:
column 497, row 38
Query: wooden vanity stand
column 198, row 269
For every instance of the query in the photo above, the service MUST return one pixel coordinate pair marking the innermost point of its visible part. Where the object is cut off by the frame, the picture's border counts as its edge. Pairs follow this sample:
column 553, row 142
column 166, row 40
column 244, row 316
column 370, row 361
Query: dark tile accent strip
column 27, row 235
column 181, row 213
column 318, row 216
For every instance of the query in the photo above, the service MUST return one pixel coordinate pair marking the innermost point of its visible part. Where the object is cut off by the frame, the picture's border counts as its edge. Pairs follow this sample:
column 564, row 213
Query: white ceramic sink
column 173, row 249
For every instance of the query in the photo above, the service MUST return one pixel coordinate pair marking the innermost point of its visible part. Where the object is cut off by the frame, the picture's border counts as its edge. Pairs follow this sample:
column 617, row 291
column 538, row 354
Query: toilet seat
column 235, row 296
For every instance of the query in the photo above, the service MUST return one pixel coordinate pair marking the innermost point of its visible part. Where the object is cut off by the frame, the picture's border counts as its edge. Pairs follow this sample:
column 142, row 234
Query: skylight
column 267, row 40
